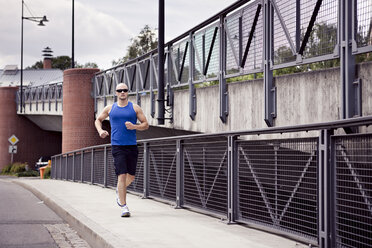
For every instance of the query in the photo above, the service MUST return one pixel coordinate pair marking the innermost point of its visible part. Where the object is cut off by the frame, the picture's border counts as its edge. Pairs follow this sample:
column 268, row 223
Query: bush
column 31, row 173
column 18, row 167
column 47, row 173
column 6, row 169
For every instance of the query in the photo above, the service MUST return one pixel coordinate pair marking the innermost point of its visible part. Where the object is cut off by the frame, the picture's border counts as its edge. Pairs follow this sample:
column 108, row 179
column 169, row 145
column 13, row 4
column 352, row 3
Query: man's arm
column 98, row 122
column 141, row 117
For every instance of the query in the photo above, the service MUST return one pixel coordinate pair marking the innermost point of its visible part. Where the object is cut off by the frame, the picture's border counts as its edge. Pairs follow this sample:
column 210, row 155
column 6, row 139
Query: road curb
column 93, row 233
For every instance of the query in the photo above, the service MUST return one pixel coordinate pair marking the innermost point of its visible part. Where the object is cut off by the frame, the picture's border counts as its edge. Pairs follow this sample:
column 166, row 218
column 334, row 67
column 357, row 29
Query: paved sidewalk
column 91, row 210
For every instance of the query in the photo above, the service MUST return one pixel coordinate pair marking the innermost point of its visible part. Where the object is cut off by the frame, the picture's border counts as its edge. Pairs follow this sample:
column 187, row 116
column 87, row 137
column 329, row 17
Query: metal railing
column 45, row 94
column 316, row 189
column 253, row 37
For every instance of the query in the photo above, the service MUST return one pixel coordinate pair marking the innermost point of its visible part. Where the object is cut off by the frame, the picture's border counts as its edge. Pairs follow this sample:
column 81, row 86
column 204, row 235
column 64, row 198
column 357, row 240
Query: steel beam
column 192, row 92
column 270, row 101
column 179, row 175
column 232, row 179
column 349, row 107
column 146, row 170
column 222, row 71
column 152, row 81
column 161, row 107
column 325, row 190
column 137, row 83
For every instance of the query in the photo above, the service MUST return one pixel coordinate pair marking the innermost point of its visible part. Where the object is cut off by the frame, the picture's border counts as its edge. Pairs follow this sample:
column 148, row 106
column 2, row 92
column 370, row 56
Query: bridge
column 281, row 92
column 248, row 40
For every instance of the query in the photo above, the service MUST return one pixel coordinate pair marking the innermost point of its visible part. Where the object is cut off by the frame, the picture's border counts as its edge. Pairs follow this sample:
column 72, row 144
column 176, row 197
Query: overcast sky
column 103, row 28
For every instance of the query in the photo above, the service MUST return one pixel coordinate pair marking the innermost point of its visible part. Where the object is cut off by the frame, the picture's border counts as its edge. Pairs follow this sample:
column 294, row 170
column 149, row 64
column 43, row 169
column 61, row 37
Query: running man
column 123, row 120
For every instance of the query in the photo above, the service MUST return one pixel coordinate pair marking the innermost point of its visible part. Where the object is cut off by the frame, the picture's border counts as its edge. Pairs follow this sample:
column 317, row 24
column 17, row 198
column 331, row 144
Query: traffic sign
column 13, row 139
column 13, row 149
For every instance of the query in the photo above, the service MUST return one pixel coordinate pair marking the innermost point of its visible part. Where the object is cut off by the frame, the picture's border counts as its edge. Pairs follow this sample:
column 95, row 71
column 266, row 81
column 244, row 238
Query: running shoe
column 125, row 211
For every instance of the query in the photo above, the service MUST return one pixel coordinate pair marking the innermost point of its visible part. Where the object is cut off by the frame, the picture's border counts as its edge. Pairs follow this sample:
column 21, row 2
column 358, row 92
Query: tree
column 87, row 65
column 63, row 63
column 140, row 45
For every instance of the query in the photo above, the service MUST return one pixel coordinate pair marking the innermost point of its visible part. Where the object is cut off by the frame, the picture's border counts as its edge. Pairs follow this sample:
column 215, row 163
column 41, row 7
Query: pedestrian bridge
column 221, row 74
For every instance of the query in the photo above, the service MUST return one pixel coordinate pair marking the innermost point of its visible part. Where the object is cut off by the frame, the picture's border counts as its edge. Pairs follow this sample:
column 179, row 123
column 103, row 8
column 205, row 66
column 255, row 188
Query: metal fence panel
column 63, row 171
column 55, row 167
column 364, row 23
column 137, row 184
column 205, row 174
column 162, row 170
column 112, row 179
column 70, row 159
column 87, row 166
column 77, row 167
column 98, row 166
column 277, row 184
column 353, row 199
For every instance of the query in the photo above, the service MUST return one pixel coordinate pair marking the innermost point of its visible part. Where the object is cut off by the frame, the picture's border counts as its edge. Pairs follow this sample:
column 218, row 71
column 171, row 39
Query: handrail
column 331, row 125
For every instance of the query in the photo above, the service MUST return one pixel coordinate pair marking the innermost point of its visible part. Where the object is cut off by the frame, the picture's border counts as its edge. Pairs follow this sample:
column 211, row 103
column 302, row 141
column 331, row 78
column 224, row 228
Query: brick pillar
column 78, row 130
column 33, row 141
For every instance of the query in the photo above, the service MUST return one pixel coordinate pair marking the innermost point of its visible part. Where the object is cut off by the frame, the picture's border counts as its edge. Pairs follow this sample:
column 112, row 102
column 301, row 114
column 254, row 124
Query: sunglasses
column 122, row 90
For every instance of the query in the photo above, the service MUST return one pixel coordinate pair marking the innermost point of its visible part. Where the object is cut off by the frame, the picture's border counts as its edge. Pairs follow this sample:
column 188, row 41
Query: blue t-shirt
column 120, row 135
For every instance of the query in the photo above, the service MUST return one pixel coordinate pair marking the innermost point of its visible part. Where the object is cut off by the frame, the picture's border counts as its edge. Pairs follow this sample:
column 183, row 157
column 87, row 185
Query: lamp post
column 73, row 36
column 40, row 21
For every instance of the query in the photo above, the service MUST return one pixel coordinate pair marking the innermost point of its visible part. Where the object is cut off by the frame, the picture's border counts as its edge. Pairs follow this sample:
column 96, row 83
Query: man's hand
column 103, row 134
column 130, row 125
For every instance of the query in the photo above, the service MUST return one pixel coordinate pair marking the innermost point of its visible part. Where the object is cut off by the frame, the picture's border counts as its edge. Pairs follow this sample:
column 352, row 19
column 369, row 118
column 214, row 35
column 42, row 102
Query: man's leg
column 129, row 179
column 124, row 180
column 122, row 189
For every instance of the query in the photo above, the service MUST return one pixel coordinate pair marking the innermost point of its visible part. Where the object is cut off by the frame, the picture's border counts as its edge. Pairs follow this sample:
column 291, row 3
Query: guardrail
column 316, row 189
column 45, row 94
column 251, row 37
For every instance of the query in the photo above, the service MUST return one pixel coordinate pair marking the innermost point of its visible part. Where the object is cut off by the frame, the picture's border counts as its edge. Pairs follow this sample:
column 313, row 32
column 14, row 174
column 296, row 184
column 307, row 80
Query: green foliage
column 63, row 63
column 31, row 173
column 87, row 65
column 18, row 167
column 140, row 45
column 6, row 169
column 47, row 171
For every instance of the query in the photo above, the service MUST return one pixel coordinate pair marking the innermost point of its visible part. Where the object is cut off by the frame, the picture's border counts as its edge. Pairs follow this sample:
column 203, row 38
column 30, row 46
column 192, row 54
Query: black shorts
column 125, row 159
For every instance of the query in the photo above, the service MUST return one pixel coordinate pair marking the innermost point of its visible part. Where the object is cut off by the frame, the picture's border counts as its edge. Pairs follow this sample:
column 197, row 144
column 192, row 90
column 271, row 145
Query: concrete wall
column 33, row 141
column 302, row 98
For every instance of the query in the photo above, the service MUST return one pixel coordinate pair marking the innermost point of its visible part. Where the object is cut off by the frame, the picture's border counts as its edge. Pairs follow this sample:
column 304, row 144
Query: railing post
column 60, row 167
column 192, row 92
column 350, row 89
column 137, row 83
column 270, row 101
column 82, row 166
column 325, row 226
column 73, row 167
column 179, row 175
column 66, row 164
column 232, row 183
column 221, row 76
column 146, row 166
column 152, row 80
column 105, row 167
column 91, row 167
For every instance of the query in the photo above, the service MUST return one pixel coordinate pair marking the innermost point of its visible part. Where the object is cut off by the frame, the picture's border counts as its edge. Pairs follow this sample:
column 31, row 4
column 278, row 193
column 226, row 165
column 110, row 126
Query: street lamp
column 40, row 21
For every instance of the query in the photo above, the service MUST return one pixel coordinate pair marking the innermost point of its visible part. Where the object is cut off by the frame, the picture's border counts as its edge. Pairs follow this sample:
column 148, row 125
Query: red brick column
column 33, row 141
column 78, row 129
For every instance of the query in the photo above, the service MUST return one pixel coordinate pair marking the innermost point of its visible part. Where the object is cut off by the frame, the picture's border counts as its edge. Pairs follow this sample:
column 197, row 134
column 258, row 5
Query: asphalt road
column 25, row 221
